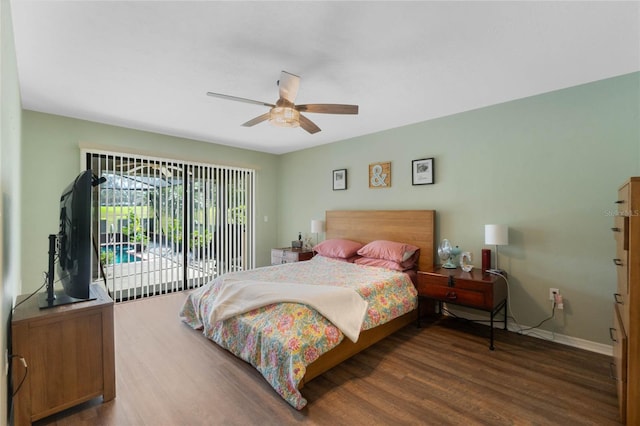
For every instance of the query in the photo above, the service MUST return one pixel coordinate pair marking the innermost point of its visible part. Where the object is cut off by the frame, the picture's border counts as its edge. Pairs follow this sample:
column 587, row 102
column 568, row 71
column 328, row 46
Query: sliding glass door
column 163, row 225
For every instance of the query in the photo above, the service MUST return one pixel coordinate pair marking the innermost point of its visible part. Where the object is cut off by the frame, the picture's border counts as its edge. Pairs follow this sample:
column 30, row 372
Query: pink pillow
column 380, row 263
column 388, row 250
column 336, row 247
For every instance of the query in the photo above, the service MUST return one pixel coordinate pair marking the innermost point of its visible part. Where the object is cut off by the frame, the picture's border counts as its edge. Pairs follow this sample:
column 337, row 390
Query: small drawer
column 454, row 295
column 619, row 365
column 621, row 262
column 621, row 232
column 287, row 255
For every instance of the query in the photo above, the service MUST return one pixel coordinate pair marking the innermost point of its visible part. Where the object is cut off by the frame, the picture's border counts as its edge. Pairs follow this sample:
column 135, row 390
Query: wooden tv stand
column 69, row 351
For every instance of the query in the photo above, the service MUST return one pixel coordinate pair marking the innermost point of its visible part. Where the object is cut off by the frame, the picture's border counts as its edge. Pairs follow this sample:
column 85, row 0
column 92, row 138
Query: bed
column 291, row 343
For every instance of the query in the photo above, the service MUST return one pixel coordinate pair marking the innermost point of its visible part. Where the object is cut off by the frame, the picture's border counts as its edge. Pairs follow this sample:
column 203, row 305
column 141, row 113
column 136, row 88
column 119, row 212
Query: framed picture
column 380, row 175
column 339, row 179
column 422, row 171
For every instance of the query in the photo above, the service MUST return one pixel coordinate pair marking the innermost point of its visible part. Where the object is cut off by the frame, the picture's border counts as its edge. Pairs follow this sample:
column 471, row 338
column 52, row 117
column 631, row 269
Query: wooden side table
column 289, row 255
column 474, row 289
column 69, row 351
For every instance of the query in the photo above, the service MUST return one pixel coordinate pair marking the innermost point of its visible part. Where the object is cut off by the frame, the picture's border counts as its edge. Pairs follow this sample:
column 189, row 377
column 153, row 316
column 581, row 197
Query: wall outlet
column 553, row 291
column 559, row 301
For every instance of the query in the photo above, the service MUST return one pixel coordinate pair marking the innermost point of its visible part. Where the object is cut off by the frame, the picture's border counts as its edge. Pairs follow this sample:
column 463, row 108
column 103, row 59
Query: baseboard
column 542, row 334
column 565, row 340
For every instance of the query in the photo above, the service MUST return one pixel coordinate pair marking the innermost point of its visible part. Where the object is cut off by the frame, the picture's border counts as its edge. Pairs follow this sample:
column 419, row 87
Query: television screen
column 74, row 237
column 73, row 244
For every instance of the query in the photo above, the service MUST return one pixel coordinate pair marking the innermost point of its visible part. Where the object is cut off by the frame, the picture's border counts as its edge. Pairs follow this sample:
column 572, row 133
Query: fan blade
column 258, row 119
column 328, row 108
column 289, row 84
column 308, row 125
column 235, row 98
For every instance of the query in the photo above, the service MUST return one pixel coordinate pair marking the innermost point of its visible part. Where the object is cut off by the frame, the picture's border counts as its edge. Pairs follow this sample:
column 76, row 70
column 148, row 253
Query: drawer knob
column 615, row 229
column 618, row 262
column 620, row 202
column 612, row 371
column 612, row 334
column 617, row 297
column 451, row 295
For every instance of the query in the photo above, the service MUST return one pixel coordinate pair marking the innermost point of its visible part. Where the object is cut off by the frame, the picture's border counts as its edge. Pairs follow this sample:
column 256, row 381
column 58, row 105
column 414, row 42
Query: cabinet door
column 66, row 362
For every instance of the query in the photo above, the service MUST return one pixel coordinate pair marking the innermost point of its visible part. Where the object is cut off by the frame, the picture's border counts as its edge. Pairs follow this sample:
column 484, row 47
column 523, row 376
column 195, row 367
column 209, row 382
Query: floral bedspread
column 280, row 340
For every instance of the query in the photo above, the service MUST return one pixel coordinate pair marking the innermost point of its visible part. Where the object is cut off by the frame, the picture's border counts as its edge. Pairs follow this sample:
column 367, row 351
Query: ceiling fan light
column 284, row 117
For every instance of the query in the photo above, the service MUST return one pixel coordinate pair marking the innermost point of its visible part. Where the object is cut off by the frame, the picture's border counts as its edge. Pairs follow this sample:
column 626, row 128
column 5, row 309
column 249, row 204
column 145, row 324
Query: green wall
column 51, row 159
column 10, row 123
column 547, row 166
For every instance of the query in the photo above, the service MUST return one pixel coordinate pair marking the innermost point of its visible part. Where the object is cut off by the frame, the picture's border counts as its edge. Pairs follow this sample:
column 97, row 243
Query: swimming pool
column 121, row 253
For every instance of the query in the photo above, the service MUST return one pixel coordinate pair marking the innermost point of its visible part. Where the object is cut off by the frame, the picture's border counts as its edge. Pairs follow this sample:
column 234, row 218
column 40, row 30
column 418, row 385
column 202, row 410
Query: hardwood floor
column 443, row 373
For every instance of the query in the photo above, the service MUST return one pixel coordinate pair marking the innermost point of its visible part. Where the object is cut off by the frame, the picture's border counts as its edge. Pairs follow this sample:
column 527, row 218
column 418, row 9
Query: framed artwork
column 340, row 179
column 422, row 171
column 380, row 175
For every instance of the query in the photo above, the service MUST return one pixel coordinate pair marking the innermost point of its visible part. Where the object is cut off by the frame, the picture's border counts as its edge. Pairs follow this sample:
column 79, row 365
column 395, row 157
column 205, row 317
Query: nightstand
column 289, row 255
column 475, row 289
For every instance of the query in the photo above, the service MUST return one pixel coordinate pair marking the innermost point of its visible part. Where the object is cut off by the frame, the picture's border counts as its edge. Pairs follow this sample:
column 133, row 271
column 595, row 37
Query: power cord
column 46, row 278
column 553, row 312
column 24, row 377
column 521, row 330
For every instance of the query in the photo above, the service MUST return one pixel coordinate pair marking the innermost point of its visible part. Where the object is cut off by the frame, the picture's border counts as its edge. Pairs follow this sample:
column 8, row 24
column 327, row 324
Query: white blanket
column 344, row 307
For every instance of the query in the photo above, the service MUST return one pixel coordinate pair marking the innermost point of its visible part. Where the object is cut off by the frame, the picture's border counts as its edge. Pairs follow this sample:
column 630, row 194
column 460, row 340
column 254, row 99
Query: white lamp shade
column 496, row 235
column 317, row 226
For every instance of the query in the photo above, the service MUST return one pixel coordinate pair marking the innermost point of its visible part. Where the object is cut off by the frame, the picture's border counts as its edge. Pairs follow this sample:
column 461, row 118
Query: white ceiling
column 148, row 65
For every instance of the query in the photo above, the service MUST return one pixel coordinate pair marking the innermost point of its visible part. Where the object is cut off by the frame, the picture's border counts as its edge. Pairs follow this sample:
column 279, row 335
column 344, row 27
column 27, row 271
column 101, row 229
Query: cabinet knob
column 617, row 297
column 620, row 201
column 615, row 229
column 612, row 334
column 618, row 262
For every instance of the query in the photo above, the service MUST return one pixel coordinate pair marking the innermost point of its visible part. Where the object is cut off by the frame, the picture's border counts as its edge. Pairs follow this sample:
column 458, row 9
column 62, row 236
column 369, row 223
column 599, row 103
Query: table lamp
column 497, row 235
column 317, row 226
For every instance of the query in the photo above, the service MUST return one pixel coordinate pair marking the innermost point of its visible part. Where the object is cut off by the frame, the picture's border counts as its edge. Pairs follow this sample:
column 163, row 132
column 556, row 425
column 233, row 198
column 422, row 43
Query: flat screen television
column 72, row 244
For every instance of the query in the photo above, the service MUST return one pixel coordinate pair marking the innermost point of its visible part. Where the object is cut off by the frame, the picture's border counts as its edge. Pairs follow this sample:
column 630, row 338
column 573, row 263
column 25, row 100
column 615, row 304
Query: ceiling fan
column 284, row 113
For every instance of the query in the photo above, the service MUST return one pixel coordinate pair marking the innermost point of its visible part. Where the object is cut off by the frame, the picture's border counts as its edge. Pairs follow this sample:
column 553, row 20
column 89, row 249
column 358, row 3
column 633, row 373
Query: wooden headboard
column 415, row 227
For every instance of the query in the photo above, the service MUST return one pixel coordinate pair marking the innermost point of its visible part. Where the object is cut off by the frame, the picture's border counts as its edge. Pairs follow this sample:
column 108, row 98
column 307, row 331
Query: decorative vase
column 465, row 261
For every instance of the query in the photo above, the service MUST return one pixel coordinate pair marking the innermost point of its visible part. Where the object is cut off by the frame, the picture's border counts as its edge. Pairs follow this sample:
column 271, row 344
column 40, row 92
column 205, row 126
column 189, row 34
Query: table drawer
column 279, row 256
column 455, row 295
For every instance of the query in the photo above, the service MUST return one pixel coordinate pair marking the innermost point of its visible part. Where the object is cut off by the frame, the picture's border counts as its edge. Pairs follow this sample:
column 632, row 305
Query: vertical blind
column 164, row 225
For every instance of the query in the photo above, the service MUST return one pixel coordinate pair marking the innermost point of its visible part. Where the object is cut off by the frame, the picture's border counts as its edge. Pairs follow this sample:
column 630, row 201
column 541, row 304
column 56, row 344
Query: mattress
column 280, row 340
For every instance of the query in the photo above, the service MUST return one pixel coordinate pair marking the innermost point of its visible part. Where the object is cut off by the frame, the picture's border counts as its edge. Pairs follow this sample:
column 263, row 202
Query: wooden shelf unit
column 625, row 332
